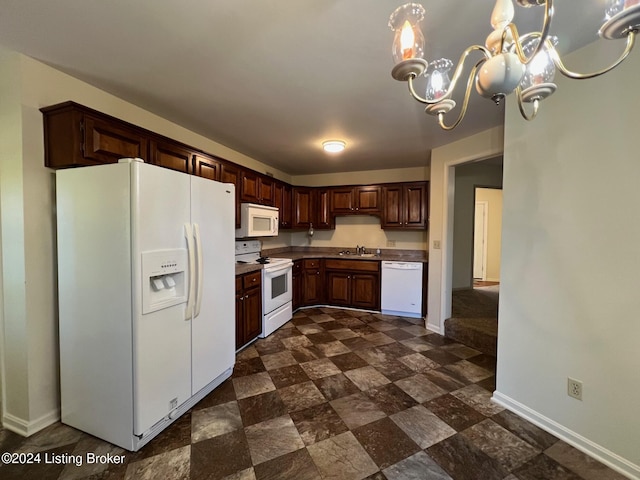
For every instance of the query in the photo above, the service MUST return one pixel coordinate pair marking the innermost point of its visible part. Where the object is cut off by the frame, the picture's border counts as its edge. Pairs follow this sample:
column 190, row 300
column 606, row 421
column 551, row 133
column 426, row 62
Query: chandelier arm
column 465, row 103
column 581, row 76
column 458, row 72
column 544, row 33
column 525, row 115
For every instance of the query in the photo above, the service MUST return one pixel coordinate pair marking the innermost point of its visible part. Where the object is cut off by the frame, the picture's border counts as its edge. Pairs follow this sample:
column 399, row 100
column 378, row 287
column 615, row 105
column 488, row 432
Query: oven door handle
column 270, row 270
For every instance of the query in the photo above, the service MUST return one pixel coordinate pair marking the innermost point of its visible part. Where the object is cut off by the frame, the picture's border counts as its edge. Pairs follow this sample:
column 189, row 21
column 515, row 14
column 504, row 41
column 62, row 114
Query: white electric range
column 277, row 284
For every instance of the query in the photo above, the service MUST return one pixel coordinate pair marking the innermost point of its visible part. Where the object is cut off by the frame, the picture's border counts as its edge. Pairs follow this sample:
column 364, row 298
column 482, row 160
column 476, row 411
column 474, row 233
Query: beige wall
column 493, row 198
column 569, row 298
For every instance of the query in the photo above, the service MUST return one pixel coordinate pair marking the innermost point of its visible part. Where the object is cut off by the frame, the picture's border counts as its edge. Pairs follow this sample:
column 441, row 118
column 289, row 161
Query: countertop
column 299, row 253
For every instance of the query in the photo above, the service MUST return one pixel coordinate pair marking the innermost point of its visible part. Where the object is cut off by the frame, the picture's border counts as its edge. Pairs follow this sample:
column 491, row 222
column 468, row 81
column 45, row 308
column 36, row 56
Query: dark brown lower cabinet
column 353, row 283
column 312, row 283
column 248, row 307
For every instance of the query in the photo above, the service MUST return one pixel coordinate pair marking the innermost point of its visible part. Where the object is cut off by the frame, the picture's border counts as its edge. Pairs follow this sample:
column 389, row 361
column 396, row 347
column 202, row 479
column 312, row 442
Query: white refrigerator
column 146, row 296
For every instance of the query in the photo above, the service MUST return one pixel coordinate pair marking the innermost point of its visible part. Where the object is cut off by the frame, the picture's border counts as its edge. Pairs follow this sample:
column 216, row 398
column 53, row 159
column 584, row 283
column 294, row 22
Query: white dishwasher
column 402, row 289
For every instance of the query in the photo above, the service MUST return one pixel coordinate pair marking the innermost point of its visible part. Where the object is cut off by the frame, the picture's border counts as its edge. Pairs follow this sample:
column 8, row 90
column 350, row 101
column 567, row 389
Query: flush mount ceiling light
column 508, row 61
column 333, row 146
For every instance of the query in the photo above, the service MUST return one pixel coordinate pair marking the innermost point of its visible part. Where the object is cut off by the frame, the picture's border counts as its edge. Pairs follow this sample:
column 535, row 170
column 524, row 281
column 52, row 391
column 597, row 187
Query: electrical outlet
column 391, row 243
column 436, row 244
column 574, row 388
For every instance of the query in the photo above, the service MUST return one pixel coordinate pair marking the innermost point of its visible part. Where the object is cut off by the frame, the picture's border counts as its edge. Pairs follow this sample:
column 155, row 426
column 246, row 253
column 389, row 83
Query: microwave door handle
column 274, row 224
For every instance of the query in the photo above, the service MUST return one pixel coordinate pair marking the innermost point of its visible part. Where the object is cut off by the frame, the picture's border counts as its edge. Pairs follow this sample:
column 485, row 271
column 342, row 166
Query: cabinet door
column 365, row 291
column 229, row 173
column 416, row 205
column 249, row 187
column 342, row 200
column 323, row 217
column 368, row 199
column 253, row 314
column 302, row 207
column 338, row 288
column 206, row 167
column 266, row 190
column 107, row 142
column 312, row 287
column 282, row 200
column 392, row 212
column 239, row 313
column 169, row 155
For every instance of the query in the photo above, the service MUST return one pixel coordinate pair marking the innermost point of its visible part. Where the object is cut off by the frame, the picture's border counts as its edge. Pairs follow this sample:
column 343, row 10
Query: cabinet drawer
column 358, row 265
column 251, row 279
column 312, row 264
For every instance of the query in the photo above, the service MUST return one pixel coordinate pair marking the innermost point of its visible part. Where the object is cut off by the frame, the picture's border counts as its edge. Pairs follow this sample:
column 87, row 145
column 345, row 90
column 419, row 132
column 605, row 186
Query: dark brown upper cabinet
column 405, row 206
column 356, row 199
column 206, row 166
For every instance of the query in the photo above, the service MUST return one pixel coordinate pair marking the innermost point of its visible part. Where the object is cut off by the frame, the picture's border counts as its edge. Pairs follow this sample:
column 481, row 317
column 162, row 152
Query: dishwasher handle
column 386, row 265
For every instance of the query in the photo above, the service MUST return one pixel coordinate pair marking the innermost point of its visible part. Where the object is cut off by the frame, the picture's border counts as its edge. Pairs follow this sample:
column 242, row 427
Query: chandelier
column 508, row 61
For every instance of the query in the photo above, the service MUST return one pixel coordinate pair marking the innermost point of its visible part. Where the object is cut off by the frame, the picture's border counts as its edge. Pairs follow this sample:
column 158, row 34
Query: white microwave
column 257, row 221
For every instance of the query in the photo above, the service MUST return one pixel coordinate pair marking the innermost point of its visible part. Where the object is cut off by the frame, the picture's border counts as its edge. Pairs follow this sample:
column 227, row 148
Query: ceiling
column 273, row 78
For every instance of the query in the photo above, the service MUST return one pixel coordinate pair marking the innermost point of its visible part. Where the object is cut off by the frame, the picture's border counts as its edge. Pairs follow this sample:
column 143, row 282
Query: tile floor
column 334, row 394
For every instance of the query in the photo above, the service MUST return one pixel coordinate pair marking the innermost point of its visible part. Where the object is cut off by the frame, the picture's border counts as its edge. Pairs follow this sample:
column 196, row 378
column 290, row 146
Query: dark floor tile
column 211, row 459
column 176, row 435
column 444, row 379
column 441, row 356
column 307, row 354
column 357, row 343
column 336, row 386
column 390, row 398
column 348, row 361
column 296, row 465
column 331, row 325
column 454, row 412
column 398, row 334
column 396, row 350
column 580, row 463
column 464, row 461
column 485, row 361
column 438, row 340
column 269, row 345
column 248, row 367
column 285, row 376
column 321, row 337
column 259, row 408
column 376, row 476
column 385, row 442
column 489, row 384
column 318, row 423
column 544, row 467
column 395, row 370
column 525, row 430
column 222, row 394
column 302, row 320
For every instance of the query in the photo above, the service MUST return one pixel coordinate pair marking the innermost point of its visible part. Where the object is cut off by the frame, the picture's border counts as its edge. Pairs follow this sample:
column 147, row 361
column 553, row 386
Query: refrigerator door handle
column 199, row 255
column 188, row 233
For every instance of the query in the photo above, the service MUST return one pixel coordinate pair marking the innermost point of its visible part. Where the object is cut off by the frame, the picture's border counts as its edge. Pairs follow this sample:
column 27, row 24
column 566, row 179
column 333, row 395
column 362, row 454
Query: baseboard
column 434, row 328
column 25, row 428
column 612, row 460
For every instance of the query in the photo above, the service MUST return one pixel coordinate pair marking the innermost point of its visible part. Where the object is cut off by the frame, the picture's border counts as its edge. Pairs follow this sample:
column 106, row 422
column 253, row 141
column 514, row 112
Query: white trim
column 583, row 444
column 485, row 232
column 26, row 428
